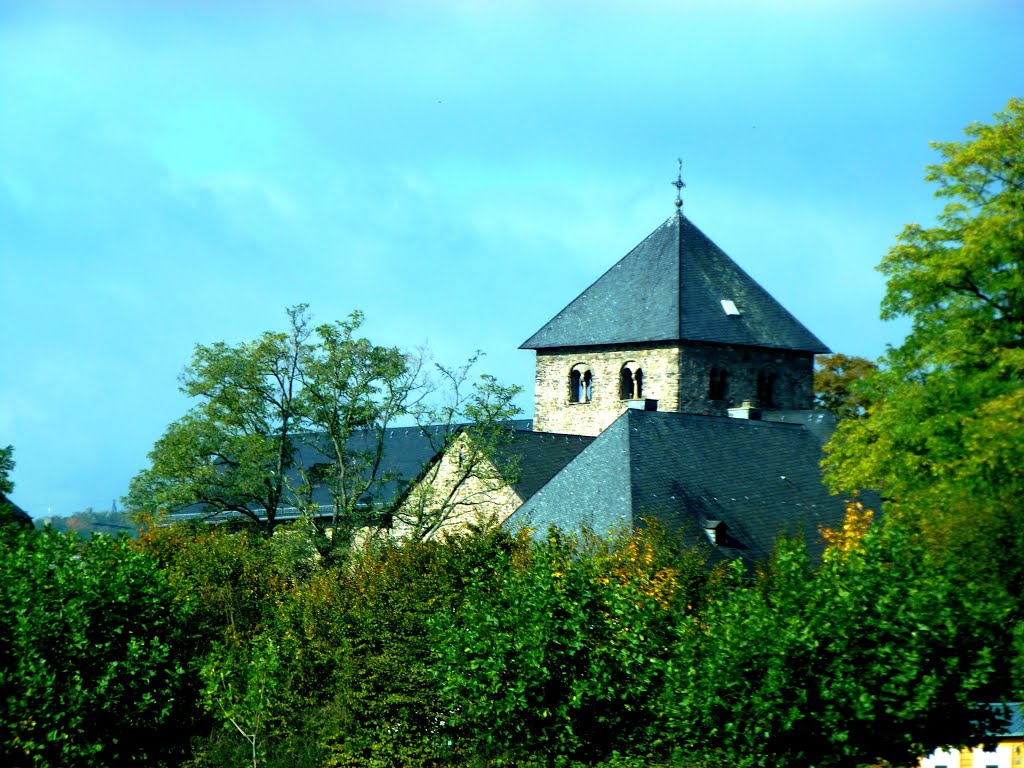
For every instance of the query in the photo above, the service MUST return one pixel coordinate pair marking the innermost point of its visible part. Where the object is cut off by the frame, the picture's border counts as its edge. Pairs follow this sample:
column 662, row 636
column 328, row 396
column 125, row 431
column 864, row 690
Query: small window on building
column 730, row 307
column 766, row 385
column 718, row 384
column 715, row 530
column 581, row 382
column 631, row 381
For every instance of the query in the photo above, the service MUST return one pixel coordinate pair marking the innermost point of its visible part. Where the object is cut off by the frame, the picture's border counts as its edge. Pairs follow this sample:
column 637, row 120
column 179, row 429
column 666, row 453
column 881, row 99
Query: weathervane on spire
column 679, row 184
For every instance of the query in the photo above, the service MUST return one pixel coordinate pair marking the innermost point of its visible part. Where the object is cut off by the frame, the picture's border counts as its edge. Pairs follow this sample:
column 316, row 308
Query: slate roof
column 1014, row 725
column 406, row 450
column 670, row 288
column 17, row 515
column 761, row 479
column 540, row 456
column 821, row 424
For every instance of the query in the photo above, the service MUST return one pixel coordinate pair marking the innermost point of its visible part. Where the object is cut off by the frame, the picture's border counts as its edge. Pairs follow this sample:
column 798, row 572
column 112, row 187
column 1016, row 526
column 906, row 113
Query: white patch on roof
column 730, row 307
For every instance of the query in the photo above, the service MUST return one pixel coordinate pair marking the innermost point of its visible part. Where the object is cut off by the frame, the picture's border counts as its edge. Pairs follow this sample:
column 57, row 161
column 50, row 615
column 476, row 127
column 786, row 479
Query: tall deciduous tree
column 234, row 450
column 350, row 387
column 944, row 441
column 9, row 514
column 877, row 656
column 308, row 409
column 6, row 467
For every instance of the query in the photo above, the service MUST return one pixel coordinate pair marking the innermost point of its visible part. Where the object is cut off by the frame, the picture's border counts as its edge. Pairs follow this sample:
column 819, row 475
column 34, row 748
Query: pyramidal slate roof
column 756, row 479
column 671, row 288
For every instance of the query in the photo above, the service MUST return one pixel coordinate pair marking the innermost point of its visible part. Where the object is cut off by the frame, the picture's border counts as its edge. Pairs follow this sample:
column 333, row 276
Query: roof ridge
column 683, row 415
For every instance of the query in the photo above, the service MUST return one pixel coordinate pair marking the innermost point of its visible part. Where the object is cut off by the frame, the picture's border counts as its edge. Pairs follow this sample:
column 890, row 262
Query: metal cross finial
column 679, row 184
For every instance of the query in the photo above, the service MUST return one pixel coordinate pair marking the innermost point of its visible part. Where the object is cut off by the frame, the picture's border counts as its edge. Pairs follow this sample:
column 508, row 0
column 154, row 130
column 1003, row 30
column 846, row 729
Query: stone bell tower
column 675, row 325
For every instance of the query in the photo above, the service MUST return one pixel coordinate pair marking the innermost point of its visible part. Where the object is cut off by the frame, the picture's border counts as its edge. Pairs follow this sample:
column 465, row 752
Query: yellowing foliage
column 634, row 565
column 850, row 536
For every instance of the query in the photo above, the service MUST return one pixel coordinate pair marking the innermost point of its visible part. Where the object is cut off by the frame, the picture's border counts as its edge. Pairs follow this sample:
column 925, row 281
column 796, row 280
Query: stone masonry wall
column 468, row 496
column 554, row 412
column 676, row 375
column 794, row 371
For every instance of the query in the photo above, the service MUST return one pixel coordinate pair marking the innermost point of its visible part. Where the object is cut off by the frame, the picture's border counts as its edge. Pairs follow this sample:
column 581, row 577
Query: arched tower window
column 718, row 383
column 581, row 384
column 631, row 381
column 766, row 381
column 625, row 384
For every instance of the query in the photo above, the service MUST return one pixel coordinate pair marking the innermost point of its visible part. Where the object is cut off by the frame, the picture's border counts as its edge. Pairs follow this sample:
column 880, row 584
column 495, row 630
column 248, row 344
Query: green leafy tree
column 385, row 703
column 234, row 451
column 838, row 384
column 877, row 656
column 232, row 579
column 91, row 661
column 6, row 467
column 9, row 514
column 944, row 437
column 292, row 416
column 243, row 688
column 560, row 655
column 353, row 387
column 305, row 661
column 250, row 666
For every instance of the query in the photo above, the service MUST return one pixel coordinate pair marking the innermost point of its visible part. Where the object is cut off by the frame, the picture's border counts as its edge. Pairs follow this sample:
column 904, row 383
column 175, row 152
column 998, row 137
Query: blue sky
column 180, row 173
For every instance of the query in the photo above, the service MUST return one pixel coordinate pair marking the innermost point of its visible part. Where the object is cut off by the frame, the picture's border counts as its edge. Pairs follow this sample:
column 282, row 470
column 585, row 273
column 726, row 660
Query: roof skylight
column 730, row 307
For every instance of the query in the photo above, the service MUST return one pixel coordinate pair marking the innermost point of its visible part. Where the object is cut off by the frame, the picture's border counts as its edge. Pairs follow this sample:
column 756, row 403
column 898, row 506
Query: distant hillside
column 89, row 521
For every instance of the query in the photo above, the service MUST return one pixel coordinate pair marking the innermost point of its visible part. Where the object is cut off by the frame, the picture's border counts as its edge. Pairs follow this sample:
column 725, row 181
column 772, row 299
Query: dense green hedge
column 92, row 653
column 206, row 647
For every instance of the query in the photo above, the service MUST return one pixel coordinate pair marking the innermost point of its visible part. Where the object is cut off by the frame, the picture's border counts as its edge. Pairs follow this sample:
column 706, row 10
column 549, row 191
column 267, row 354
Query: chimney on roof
column 746, row 411
column 644, row 405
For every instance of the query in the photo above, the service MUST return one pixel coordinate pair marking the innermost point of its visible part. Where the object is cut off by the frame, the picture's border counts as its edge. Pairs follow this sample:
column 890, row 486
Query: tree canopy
column 949, row 397
column 878, row 655
column 6, row 467
column 234, row 450
column 839, row 384
column 275, row 421
column 943, row 440
column 9, row 514
column 93, row 654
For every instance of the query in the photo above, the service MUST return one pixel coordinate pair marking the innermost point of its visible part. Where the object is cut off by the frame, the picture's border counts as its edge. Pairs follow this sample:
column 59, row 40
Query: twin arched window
column 581, row 384
column 631, row 381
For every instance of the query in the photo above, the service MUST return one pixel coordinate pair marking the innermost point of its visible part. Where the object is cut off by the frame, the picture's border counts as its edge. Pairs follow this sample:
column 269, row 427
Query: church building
column 675, row 325
column 674, row 387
